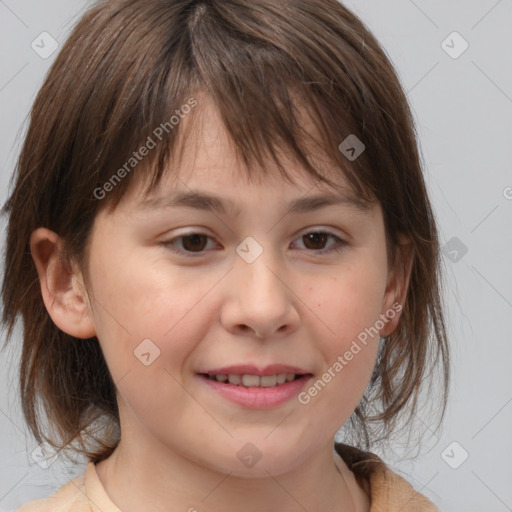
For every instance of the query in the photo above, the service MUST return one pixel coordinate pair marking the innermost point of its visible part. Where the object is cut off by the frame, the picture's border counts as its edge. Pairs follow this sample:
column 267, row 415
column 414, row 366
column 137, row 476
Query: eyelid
column 338, row 246
column 340, row 242
column 169, row 243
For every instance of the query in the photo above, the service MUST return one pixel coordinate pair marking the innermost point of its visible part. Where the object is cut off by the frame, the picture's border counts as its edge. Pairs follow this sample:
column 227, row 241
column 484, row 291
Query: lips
column 255, row 387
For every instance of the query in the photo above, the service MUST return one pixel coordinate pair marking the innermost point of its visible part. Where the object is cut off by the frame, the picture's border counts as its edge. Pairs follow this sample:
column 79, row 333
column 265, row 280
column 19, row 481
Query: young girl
column 275, row 133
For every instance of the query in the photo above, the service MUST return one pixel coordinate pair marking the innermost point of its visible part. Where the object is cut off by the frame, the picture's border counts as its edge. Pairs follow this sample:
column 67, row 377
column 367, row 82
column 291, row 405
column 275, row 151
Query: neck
column 142, row 476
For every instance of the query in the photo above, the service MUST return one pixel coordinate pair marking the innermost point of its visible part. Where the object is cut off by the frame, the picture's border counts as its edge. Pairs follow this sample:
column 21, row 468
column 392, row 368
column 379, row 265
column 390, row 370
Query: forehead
column 209, row 176
column 209, row 190
column 204, row 143
column 206, row 171
column 229, row 189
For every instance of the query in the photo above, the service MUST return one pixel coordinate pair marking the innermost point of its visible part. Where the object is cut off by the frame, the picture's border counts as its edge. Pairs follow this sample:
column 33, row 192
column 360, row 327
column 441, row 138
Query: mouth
column 254, row 381
column 256, row 388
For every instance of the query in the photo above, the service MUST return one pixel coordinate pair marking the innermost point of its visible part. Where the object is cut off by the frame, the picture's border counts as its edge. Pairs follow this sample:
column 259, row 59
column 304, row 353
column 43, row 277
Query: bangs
column 271, row 106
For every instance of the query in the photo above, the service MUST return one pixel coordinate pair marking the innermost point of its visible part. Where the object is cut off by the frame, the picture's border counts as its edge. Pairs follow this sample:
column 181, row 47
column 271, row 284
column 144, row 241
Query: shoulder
column 70, row 497
column 388, row 490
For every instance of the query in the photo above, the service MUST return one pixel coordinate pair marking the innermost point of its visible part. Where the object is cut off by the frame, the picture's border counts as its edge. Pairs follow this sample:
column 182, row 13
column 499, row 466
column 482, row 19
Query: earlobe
column 397, row 286
column 62, row 288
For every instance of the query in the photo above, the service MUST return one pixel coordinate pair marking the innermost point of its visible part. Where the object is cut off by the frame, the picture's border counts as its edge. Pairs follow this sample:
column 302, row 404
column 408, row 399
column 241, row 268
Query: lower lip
column 258, row 398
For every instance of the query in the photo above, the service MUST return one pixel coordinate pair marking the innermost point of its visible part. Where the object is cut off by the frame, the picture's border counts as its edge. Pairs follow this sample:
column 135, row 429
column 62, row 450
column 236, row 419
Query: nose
column 259, row 300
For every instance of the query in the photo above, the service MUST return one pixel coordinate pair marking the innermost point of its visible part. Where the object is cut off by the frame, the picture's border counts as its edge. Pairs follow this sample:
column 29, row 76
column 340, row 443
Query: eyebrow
column 212, row 203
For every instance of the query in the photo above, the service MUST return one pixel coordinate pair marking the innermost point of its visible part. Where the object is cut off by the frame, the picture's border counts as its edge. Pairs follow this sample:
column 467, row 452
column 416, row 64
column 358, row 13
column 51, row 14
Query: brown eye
column 316, row 240
column 195, row 242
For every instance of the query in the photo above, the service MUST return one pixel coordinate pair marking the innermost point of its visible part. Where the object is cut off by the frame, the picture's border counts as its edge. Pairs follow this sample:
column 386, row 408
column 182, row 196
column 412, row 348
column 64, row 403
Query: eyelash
column 339, row 246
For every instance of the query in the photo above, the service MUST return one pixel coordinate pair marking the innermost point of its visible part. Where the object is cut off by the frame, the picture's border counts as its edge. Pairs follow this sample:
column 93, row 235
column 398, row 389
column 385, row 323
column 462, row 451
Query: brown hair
column 126, row 68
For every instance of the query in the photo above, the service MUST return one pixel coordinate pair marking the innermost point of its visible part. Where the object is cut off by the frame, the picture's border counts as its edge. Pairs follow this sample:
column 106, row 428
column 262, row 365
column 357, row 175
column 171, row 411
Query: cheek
column 137, row 299
column 347, row 309
column 349, row 302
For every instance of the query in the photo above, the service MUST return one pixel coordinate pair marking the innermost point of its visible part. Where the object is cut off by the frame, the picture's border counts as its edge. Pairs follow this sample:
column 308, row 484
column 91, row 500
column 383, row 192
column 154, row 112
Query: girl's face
column 182, row 286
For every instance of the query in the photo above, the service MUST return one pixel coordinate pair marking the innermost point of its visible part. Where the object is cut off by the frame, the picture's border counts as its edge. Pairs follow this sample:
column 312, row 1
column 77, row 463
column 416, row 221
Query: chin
column 259, row 459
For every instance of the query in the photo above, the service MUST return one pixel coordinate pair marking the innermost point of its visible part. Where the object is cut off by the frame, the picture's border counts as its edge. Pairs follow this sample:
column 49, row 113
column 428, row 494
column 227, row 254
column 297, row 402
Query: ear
column 62, row 287
column 397, row 285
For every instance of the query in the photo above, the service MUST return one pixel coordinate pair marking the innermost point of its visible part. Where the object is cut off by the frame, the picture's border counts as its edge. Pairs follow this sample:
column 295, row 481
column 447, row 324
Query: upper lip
column 249, row 369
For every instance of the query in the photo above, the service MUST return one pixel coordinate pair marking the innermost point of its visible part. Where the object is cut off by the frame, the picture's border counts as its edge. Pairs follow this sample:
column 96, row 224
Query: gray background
column 463, row 108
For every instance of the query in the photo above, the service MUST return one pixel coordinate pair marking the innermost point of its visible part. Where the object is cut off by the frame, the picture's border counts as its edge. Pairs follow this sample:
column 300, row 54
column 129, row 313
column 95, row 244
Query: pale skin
column 292, row 305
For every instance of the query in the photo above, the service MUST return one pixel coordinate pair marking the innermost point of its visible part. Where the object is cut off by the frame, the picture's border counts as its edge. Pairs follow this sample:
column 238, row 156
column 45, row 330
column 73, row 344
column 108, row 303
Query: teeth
column 251, row 381
column 235, row 379
column 268, row 381
column 254, row 381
